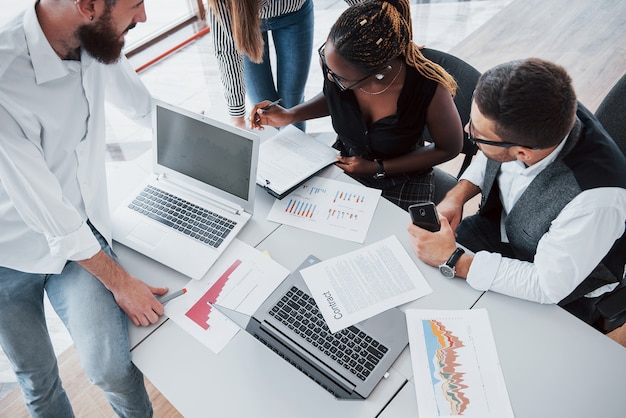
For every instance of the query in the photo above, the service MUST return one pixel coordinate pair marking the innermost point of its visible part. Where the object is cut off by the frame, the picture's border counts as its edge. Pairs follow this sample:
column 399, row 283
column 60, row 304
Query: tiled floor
column 190, row 78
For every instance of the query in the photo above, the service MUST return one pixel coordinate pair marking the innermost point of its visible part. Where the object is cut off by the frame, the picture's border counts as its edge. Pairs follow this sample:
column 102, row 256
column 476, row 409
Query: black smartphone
column 425, row 216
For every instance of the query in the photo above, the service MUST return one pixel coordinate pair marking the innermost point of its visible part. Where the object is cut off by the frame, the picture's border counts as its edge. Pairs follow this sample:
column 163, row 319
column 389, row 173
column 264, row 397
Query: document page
column 356, row 286
column 241, row 279
column 290, row 157
column 455, row 365
column 330, row 207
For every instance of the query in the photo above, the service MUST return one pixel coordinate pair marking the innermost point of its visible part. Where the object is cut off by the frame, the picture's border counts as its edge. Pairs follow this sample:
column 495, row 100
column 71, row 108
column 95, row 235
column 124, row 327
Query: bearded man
column 57, row 60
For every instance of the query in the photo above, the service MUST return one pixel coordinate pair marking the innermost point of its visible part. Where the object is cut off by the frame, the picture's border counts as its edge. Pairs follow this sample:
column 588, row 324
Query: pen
column 166, row 298
column 271, row 105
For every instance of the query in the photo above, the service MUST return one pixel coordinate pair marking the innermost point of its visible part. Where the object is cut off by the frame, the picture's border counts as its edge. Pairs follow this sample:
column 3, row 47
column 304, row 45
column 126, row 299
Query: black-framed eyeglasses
column 332, row 76
column 475, row 140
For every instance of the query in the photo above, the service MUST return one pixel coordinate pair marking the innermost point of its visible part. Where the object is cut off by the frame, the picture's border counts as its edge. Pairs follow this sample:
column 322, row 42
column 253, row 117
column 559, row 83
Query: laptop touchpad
column 147, row 234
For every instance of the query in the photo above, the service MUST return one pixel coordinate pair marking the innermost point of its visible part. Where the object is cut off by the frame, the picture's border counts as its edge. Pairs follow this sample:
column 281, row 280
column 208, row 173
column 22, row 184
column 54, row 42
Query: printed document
column 356, row 286
column 330, row 207
column 289, row 158
column 241, row 279
column 455, row 365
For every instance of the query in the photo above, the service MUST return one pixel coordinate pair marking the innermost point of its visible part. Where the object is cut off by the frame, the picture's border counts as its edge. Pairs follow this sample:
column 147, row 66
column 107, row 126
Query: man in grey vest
column 551, row 223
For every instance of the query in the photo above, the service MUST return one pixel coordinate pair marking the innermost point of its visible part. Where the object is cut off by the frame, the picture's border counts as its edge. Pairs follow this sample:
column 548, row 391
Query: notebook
column 289, row 158
column 348, row 364
column 199, row 196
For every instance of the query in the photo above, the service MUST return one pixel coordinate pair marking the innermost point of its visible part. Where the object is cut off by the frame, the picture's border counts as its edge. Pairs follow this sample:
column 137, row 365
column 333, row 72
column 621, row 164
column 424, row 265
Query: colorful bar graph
column 348, row 197
column 300, row 208
column 341, row 215
column 313, row 189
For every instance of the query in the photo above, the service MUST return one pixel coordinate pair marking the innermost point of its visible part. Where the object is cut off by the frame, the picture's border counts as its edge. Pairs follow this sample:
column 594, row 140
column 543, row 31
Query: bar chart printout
column 330, row 207
column 455, row 365
column 241, row 280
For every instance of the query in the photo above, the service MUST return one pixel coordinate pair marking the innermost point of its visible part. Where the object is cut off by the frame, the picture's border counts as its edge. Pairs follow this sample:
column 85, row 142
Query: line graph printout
column 455, row 365
column 241, row 279
column 330, row 207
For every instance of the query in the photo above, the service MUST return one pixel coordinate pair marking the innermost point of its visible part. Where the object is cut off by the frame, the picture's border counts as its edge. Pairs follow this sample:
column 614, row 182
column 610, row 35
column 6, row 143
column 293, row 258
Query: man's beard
column 101, row 40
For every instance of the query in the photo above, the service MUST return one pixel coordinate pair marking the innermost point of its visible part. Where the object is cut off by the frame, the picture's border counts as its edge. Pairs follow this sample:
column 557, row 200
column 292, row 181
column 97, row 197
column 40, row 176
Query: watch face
column 447, row 271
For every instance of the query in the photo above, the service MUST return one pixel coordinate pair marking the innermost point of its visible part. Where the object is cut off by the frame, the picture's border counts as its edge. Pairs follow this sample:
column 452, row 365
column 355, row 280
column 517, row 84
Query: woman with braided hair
column 381, row 93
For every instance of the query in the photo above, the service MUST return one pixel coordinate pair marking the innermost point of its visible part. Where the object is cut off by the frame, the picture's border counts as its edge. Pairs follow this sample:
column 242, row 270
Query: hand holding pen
column 169, row 296
column 260, row 109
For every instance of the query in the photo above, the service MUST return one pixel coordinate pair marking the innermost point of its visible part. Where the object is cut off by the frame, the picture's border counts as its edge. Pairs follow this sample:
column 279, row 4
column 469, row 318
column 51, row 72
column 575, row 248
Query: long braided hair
column 372, row 33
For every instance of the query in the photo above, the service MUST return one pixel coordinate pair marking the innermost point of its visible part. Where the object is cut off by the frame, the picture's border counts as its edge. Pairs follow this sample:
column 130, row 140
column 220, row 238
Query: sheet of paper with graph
column 455, row 365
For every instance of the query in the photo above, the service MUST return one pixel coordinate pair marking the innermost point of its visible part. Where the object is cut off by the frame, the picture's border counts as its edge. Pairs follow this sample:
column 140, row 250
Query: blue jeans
column 98, row 328
column 293, row 40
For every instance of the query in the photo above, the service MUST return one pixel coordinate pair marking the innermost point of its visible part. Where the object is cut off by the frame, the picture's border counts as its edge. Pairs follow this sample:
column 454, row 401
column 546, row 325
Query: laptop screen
column 197, row 147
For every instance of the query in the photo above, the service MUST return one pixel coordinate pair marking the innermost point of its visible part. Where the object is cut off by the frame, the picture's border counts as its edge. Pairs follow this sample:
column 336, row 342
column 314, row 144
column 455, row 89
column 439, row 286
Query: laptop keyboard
column 190, row 219
column 351, row 348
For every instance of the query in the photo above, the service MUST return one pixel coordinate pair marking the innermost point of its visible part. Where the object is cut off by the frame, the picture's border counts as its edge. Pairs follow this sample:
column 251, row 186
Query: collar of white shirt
column 47, row 65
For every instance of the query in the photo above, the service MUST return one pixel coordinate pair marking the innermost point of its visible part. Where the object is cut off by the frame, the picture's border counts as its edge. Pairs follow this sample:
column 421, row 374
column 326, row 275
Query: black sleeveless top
column 386, row 138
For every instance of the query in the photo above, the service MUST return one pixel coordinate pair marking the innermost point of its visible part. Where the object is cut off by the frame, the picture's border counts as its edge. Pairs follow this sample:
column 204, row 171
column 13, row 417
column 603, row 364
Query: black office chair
column 466, row 77
column 612, row 115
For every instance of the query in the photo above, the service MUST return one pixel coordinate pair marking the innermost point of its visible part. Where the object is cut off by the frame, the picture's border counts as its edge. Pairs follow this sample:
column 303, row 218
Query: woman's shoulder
column 417, row 86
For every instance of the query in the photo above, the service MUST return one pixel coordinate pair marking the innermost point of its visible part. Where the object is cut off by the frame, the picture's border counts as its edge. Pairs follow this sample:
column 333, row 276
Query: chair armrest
column 443, row 183
column 612, row 309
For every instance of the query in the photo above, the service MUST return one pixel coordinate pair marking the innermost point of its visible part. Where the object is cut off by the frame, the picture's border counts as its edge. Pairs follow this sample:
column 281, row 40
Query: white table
column 246, row 379
column 554, row 365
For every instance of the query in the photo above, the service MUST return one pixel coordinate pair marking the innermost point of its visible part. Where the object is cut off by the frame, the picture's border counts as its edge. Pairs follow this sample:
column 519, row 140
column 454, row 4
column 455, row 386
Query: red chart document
column 241, row 280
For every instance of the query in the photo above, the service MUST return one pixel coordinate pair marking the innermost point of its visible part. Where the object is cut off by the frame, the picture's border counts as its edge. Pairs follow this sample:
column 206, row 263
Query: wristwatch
column 447, row 269
column 381, row 170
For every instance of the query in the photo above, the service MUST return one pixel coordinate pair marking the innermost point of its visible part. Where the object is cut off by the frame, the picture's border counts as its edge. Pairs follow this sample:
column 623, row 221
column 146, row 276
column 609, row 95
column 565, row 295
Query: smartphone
column 425, row 216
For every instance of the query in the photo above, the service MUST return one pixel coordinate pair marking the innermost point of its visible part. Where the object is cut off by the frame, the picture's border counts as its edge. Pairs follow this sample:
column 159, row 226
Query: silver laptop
column 348, row 364
column 200, row 195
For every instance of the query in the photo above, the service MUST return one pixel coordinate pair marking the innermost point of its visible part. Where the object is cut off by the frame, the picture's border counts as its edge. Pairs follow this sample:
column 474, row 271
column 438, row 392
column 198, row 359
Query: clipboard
column 289, row 158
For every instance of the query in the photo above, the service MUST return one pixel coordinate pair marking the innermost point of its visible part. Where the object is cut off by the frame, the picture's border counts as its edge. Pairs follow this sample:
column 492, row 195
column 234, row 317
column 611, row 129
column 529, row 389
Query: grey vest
column 589, row 160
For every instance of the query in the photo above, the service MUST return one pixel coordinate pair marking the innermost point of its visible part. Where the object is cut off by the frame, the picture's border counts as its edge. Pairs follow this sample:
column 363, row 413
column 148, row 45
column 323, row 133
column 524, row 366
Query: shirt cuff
column 236, row 111
column 483, row 270
column 79, row 245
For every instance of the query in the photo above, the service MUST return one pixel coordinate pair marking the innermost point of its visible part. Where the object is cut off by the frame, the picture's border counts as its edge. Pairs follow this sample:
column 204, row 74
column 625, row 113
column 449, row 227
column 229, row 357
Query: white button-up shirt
column 580, row 236
column 52, row 147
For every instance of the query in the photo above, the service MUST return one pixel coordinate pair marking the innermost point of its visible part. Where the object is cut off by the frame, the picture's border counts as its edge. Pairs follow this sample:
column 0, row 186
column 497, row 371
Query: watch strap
column 455, row 257
column 381, row 169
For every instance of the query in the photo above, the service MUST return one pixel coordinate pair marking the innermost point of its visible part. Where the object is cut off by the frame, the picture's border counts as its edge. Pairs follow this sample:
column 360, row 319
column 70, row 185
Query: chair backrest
column 612, row 113
column 466, row 77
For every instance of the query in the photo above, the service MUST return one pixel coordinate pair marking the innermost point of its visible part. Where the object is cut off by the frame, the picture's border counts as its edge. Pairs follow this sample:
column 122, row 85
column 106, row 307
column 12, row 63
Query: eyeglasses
column 493, row 143
column 332, row 76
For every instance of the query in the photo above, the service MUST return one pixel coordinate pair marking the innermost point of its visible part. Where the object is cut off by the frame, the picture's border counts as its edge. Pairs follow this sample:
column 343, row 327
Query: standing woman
column 240, row 38
column 381, row 93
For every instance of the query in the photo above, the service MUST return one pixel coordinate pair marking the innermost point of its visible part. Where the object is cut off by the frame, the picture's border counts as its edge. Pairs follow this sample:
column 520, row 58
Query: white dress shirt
column 576, row 242
column 52, row 147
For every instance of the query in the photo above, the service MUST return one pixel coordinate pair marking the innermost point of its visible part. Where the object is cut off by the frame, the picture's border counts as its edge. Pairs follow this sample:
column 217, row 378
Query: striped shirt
column 229, row 60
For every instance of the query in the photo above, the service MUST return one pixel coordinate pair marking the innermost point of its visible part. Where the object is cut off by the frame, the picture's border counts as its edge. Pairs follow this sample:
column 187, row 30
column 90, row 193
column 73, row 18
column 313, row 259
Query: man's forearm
column 462, row 192
column 105, row 269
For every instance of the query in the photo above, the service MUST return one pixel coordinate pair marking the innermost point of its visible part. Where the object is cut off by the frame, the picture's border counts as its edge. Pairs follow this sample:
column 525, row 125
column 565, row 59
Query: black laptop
column 349, row 363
